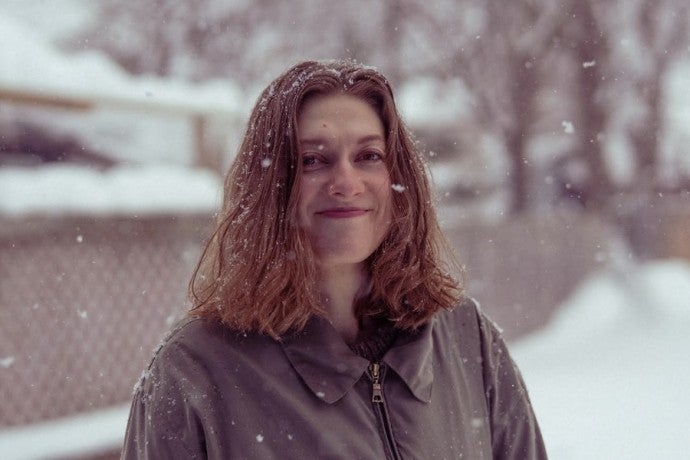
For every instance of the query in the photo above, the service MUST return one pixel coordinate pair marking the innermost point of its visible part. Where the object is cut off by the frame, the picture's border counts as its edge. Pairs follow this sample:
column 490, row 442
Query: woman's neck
column 340, row 286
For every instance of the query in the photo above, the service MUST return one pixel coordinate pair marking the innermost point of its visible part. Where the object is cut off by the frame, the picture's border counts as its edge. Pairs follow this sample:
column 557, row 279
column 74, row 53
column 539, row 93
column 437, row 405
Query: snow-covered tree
column 532, row 67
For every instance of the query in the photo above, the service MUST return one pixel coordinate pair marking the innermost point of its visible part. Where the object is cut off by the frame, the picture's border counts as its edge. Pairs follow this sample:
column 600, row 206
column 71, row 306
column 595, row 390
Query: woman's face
column 345, row 201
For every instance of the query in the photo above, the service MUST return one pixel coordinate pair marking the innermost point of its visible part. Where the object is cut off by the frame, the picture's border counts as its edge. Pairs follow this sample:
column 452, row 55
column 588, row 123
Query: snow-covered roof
column 144, row 189
column 30, row 63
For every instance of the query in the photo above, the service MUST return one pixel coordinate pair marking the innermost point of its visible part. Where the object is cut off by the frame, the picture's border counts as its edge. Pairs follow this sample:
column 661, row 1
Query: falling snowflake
column 266, row 162
column 589, row 64
column 259, row 438
column 7, row 362
column 82, row 314
column 398, row 188
column 568, row 127
column 80, row 238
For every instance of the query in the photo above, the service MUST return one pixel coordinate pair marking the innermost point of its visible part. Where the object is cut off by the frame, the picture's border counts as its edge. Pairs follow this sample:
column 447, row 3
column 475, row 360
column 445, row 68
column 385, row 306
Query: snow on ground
column 73, row 437
column 609, row 377
column 142, row 189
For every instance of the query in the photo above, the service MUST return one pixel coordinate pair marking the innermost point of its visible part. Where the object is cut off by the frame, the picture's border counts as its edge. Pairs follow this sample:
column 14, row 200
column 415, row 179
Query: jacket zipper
column 376, row 375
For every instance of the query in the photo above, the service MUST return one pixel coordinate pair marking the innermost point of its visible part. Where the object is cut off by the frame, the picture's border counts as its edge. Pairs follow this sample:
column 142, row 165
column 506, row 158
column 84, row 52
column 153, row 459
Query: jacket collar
column 330, row 369
column 411, row 357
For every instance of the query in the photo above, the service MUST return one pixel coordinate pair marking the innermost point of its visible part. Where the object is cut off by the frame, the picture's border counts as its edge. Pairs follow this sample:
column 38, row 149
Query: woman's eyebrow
column 313, row 141
column 317, row 141
column 371, row 138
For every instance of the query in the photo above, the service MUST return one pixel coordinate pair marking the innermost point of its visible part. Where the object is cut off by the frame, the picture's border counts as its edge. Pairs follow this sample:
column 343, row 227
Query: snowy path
column 71, row 437
column 608, row 380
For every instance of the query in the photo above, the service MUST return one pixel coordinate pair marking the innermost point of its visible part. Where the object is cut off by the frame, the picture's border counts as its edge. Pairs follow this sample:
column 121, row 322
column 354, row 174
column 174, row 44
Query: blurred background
column 556, row 134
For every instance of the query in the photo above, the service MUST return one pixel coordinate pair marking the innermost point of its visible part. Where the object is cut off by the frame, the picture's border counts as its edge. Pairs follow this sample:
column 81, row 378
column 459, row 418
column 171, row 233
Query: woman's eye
column 371, row 155
column 311, row 161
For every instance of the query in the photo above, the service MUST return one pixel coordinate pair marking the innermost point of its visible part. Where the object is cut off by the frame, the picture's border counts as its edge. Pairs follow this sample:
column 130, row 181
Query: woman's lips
column 343, row 213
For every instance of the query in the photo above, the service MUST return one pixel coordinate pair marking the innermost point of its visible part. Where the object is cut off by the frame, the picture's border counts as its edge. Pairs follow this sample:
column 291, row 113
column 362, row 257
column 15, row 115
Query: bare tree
column 663, row 30
column 590, row 49
column 504, row 65
column 505, row 52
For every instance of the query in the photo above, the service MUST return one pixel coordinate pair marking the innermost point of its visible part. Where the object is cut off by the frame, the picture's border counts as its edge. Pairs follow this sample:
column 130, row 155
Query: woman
column 325, row 324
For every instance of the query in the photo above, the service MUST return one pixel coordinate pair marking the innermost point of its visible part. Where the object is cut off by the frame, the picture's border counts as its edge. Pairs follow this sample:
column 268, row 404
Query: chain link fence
column 85, row 300
column 522, row 268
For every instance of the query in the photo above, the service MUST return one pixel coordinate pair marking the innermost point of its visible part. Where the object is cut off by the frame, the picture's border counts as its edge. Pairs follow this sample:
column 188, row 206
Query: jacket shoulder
column 190, row 351
column 172, row 395
column 464, row 318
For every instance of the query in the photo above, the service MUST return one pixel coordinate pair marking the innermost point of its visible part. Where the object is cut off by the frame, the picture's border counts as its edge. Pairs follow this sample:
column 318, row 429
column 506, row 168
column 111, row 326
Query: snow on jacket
column 449, row 390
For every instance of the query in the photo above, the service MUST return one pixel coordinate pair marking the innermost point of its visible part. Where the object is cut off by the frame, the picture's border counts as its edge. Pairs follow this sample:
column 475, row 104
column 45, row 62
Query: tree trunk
column 517, row 134
column 590, row 52
column 645, row 137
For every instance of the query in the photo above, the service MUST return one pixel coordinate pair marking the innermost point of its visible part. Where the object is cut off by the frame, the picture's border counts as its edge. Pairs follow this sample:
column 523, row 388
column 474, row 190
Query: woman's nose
column 345, row 180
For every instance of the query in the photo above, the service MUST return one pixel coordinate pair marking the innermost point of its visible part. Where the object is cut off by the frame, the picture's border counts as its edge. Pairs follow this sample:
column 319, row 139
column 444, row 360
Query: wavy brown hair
column 258, row 270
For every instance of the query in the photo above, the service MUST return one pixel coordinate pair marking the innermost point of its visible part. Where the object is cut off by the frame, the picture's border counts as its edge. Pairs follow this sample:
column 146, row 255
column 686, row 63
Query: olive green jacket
column 449, row 390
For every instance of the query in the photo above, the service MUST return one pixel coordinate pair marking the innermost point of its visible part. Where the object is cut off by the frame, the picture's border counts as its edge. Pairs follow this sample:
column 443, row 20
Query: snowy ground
column 74, row 437
column 608, row 377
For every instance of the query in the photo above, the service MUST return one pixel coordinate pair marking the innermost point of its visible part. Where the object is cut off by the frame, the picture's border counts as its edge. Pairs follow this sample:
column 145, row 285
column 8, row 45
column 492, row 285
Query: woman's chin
column 341, row 258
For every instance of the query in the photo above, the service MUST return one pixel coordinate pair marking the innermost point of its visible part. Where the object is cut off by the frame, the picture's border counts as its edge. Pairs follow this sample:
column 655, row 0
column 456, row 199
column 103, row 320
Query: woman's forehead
column 339, row 118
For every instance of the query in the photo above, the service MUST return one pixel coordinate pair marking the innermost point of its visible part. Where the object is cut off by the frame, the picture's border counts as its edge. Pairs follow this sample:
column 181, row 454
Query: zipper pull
column 377, row 392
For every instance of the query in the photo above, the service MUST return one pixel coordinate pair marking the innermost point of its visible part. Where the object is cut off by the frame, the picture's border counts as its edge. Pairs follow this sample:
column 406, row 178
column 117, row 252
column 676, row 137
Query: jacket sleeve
column 163, row 424
column 515, row 433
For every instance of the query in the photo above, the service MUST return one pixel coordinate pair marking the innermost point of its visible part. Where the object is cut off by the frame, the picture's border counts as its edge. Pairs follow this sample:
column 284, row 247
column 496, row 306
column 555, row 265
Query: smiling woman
column 325, row 322
column 345, row 201
column 261, row 270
